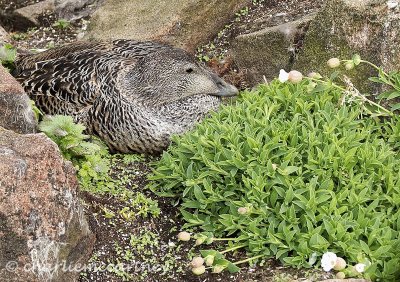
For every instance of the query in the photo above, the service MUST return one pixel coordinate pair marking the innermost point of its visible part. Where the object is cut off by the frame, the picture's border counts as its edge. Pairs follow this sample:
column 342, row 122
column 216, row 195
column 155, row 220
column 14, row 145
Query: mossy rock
column 263, row 53
column 346, row 27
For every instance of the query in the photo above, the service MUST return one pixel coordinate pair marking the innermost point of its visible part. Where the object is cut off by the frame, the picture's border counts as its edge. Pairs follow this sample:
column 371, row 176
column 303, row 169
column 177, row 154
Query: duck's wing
column 67, row 79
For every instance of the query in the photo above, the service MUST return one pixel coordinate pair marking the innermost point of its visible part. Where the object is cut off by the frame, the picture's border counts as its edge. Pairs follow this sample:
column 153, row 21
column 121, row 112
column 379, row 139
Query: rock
column 182, row 23
column 44, row 233
column 345, row 27
column 15, row 107
column 31, row 13
column 4, row 36
column 72, row 10
column 265, row 52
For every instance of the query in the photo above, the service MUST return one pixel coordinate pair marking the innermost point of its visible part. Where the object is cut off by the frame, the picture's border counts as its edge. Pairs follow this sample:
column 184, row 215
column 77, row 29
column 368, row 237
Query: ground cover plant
column 294, row 171
column 7, row 56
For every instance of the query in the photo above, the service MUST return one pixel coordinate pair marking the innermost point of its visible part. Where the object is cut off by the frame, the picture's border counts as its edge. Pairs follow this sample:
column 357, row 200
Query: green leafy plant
column 89, row 155
column 93, row 162
column 290, row 171
column 62, row 24
column 19, row 36
column 7, row 55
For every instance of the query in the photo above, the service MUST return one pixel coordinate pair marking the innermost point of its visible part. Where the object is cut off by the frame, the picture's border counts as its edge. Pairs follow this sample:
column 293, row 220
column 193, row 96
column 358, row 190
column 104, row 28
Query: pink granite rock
column 44, row 235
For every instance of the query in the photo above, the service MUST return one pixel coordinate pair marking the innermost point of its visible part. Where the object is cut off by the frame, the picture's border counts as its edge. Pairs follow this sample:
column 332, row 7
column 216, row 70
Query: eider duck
column 133, row 95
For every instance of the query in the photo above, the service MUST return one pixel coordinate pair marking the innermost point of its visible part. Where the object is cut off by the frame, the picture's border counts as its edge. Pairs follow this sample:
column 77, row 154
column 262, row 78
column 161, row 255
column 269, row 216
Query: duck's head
column 171, row 74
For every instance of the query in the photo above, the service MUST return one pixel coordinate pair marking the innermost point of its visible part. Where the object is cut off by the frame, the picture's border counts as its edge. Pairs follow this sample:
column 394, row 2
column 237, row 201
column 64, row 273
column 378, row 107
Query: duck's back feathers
column 67, row 79
column 134, row 95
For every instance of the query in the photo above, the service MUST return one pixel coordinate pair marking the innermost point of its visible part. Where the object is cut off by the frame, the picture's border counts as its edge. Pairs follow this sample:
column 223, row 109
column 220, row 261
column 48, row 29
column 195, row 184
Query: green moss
column 339, row 31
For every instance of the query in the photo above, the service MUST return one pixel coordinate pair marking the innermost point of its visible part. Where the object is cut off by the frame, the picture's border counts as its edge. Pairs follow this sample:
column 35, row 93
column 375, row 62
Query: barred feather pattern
column 133, row 95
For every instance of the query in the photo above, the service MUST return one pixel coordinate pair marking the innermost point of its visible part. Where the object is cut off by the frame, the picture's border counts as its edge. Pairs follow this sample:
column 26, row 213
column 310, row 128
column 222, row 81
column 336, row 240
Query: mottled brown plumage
column 133, row 95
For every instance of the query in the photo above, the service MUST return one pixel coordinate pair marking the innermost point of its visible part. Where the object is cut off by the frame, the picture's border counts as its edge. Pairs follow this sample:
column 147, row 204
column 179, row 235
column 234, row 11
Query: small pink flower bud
column 184, row 236
column 197, row 262
column 333, row 63
column 199, row 270
column 295, row 76
column 242, row 210
column 340, row 264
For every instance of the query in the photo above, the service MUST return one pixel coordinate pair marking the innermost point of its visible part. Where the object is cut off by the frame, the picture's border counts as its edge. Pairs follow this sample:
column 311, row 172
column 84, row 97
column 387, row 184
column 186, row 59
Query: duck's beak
column 225, row 89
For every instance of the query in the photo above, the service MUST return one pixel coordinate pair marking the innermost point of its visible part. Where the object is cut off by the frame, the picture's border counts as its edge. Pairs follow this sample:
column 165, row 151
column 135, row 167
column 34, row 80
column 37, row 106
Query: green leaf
column 198, row 193
column 232, row 268
column 395, row 107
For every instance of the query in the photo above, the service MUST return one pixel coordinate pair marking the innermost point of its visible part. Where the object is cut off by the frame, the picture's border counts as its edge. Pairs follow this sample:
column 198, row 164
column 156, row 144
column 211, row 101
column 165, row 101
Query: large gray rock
column 15, row 107
column 265, row 52
column 44, row 233
column 182, row 23
column 345, row 27
column 4, row 36
column 31, row 13
column 72, row 10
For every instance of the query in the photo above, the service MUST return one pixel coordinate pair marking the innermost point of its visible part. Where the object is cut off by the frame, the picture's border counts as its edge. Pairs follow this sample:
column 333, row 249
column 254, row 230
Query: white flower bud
column 349, row 65
column 184, row 236
column 199, row 270
column 242, row 210
column 197, row 262
column 314, row 75
column 340, row 275
column 218, row 269
column 333, row 63
column 209, row 260
column 295, row 76
column 340, row 264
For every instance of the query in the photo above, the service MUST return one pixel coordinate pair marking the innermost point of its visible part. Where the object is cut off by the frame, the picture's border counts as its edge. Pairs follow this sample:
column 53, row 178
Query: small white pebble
column 392, row 4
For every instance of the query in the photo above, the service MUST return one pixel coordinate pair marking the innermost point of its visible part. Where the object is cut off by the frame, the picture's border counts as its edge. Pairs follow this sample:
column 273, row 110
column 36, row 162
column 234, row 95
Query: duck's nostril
column 220, row 84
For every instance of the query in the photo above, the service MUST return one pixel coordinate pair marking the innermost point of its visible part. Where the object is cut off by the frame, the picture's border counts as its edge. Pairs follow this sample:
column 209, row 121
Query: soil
column 148, row 245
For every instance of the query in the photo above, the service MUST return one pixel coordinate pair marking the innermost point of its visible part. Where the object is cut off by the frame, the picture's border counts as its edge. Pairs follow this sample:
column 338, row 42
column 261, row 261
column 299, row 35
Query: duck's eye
column 189, row 70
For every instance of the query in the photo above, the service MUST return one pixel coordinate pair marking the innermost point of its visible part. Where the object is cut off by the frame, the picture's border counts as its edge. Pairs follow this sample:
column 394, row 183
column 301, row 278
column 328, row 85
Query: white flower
column 392, row 4
column 328, row 261
column 283, row 76
column 360, row 267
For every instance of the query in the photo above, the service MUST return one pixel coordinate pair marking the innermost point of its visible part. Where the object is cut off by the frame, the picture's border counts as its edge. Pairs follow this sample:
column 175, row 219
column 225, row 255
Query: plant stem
column 374, row 66
column 248, row 259
column 232, row 249
column 323, row 81
column 379, row 106
column 363, row 97
column 224, row 239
